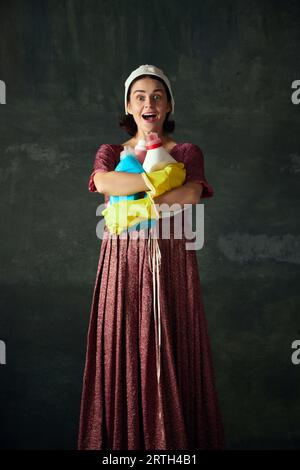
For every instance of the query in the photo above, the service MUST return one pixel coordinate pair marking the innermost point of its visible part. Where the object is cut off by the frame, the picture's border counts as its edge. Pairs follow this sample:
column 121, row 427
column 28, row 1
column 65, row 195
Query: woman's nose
column 149, row 101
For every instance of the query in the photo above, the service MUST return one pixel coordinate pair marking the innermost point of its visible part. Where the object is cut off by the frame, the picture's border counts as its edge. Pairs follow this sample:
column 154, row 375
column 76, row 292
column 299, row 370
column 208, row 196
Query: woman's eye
column 142, row 97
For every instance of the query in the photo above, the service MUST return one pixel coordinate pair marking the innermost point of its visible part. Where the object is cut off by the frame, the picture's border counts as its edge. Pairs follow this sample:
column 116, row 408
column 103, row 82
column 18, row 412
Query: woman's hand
column 161, row 181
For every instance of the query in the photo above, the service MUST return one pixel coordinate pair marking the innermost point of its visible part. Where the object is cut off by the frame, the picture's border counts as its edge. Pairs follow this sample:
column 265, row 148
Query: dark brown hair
column 127, row 122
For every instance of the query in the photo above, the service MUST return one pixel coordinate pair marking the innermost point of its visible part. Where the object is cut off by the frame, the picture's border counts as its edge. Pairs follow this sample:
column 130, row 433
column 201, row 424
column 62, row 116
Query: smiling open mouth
column 151, row 117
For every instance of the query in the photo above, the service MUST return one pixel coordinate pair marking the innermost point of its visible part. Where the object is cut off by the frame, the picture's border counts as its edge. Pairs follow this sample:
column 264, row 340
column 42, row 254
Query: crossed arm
column 118, row 183
column 188, row 193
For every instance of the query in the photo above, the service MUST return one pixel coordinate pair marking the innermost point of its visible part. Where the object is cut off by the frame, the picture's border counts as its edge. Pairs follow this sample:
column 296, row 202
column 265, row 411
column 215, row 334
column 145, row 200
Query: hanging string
column 154, row 259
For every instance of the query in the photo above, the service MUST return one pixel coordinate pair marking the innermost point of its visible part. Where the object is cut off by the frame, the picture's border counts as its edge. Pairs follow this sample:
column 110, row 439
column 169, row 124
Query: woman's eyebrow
column 144, row 91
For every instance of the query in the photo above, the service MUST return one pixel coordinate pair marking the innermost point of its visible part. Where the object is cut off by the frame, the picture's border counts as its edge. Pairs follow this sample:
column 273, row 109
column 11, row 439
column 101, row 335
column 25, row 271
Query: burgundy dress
column 122, row 405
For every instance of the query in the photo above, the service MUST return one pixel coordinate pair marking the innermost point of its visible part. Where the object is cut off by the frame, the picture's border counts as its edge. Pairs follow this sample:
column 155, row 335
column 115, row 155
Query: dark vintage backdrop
column 231, row 64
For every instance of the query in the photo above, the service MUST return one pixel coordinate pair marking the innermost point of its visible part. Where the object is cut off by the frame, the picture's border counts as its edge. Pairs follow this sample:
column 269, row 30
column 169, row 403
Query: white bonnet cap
column 149, row 70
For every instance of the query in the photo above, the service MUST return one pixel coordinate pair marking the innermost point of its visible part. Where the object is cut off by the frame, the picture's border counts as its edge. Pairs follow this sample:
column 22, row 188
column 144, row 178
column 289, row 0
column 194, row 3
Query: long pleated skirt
column 149, row 379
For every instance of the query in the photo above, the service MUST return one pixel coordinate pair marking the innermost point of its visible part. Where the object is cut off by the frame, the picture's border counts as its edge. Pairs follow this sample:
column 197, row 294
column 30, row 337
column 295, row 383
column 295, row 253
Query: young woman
column 126, row 403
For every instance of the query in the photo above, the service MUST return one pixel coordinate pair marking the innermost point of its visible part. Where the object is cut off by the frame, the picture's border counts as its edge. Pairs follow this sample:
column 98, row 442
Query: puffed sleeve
column 104, row 161
column 194, row 164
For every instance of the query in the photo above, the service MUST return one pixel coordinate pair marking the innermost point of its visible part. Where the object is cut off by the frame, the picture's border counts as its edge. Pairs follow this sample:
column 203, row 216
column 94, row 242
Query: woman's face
column 148, row 96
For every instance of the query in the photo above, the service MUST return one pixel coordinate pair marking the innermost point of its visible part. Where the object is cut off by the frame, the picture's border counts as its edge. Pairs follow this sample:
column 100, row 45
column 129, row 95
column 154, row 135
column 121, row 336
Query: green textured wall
column 231, row 64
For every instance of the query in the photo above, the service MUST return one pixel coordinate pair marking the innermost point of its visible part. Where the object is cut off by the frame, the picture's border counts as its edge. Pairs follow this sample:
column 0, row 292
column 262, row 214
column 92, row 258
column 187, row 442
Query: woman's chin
column 151, row 126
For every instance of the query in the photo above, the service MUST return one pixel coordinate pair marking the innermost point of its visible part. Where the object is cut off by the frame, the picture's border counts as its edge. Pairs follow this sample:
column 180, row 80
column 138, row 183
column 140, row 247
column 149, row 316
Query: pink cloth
column 122, row 406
